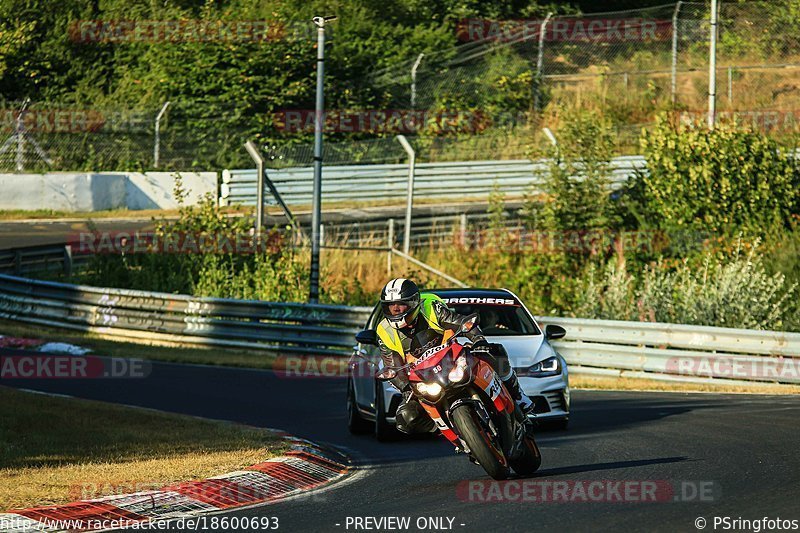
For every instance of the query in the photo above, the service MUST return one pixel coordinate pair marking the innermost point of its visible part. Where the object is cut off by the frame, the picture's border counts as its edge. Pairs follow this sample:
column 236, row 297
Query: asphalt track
column 741, row 450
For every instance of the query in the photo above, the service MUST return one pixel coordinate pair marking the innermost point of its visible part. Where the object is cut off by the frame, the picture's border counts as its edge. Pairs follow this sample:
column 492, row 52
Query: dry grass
column 299, row 209
column 56, row 450
column 356, row 277
column 19, row 214
column 631, row 384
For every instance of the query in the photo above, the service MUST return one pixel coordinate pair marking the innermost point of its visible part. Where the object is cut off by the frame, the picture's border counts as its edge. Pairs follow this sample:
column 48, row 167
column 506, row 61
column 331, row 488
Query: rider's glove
column 481, row 347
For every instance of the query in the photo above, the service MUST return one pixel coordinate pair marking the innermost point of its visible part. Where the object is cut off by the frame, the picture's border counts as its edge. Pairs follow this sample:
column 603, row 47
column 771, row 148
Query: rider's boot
column 512, row 384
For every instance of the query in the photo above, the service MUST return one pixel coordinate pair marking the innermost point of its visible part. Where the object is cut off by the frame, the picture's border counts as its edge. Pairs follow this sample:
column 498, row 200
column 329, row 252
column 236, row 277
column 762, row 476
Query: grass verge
column 56, row 450
column 636, row 384
column 46, row 214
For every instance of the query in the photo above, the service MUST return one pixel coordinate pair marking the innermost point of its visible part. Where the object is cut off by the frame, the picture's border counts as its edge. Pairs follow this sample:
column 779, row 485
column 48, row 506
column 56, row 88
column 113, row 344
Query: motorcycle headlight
column 549, row 367
column 429, row 389
column 459, row 371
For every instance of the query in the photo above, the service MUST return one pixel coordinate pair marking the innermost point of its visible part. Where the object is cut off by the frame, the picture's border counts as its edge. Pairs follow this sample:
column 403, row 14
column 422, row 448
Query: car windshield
column 497, row 319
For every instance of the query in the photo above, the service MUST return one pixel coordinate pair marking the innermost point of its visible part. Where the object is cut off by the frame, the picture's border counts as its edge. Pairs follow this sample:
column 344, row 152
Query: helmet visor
column 399, row 308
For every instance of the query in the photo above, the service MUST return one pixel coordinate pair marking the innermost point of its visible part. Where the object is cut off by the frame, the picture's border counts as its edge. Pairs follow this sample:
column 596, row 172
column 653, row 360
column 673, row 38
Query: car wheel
column 355, row 422
column 384, row 431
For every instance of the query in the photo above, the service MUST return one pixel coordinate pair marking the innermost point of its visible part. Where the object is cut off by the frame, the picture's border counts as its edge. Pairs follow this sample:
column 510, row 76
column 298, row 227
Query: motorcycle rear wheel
column 481, row 444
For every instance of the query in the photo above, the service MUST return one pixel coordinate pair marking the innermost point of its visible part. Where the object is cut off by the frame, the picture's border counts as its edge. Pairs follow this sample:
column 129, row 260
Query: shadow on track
column 612, row 411
column 592, row 416
column 577, row 469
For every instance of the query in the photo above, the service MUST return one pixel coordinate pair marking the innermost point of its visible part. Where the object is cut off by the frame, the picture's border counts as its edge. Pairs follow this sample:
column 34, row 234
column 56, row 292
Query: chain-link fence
column 487, row 97
column 497, row 144
column 629, row 65
column 48, row 136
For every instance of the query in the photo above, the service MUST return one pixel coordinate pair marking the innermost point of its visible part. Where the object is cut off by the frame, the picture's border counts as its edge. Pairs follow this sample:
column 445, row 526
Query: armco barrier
column 678, row 352
column 389, row 181
column 56, row 257
column 285, row 327
column 603, row 347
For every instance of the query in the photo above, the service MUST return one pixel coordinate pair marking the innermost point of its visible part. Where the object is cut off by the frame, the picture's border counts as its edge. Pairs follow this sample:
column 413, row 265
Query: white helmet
column 402, row 291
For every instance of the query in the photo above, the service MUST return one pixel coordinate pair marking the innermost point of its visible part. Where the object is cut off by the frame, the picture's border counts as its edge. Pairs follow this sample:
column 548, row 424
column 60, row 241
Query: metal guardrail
column 677, row 352
column 388, row 182
column 38, row 259
column 285, row 327
column 595, row 347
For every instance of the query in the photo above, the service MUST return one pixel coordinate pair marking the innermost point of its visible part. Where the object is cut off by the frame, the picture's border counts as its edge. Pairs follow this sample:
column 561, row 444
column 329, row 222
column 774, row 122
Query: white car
column 504, row 319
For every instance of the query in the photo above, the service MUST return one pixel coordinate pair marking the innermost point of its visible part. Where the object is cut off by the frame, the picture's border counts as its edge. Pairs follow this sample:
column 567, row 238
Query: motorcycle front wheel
column 483, row 447
column 529, row 460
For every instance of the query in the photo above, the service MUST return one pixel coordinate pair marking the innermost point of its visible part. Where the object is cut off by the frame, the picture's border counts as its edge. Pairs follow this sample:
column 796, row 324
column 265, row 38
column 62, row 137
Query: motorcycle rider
column 414, row 323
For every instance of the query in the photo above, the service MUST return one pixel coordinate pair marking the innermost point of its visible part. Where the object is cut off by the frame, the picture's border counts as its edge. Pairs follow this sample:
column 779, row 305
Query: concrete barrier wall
column 75, row 191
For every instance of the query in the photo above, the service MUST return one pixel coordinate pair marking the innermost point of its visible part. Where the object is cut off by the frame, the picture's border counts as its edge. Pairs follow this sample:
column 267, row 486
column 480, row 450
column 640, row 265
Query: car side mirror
column 552, row 332
column 368, row 336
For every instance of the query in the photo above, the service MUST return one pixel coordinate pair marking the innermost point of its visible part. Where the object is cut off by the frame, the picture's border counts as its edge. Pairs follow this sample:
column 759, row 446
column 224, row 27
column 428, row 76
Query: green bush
column 276, row 272
column 576, row 186
column 721, row 179
column 782, row 28
column 733, row 292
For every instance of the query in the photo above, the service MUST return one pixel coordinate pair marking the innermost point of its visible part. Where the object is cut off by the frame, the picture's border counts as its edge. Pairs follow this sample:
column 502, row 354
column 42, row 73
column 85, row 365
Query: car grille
column 549, row 401
column 556, row 399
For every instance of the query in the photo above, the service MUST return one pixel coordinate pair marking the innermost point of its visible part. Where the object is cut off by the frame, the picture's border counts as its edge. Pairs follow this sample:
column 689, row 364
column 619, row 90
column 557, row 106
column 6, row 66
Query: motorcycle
column 471, row 407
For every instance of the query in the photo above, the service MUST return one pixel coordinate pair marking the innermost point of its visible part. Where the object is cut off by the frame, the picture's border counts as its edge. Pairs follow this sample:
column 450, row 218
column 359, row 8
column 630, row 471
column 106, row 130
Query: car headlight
column 549, row 367
column 459, row 371
column 429, row 389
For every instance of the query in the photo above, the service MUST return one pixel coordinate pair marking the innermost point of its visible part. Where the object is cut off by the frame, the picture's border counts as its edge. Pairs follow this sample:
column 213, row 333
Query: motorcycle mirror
column 386, row 374
column 469, row 323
